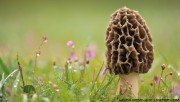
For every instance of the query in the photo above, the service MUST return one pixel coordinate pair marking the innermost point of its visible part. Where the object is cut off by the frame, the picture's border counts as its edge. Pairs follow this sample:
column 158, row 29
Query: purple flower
column 176, row 89
column 72, row 56
column 91, row 50
column 156, row 79
column 103, row 71
column 70, row 43
column 90, row 54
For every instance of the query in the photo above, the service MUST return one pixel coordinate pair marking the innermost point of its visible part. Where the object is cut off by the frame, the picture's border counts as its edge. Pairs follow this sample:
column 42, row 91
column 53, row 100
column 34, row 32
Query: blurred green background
column 23, row 23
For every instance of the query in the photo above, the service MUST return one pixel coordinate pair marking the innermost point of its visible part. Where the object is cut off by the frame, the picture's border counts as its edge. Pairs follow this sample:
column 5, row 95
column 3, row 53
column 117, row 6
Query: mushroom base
column 128, row 83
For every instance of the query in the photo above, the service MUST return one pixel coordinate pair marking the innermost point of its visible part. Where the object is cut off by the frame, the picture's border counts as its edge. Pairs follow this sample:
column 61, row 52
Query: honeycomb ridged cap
column 128, row 42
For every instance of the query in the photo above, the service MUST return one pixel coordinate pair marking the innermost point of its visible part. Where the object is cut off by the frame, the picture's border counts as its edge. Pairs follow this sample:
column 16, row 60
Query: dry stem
column 20, row 69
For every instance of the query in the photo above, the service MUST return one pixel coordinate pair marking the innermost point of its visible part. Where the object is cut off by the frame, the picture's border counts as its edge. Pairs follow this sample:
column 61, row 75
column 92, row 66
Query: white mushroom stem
column 128, row 83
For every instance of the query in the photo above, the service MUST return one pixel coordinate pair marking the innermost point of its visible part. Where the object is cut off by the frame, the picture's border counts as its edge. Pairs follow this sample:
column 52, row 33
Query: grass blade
column 102, row 90
column 97, row 77
column 67, row 72
column 14, row 87
column 4, row 67
column 10, row 74
column 2, row 81
column 164, row 83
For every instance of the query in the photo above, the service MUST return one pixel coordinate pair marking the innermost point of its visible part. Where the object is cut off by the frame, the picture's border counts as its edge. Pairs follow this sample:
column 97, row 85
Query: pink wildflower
column 72, row 56
column 70, row 43
column 91, row 50
column 90, row 54
column 176, row 89
column 103, row 71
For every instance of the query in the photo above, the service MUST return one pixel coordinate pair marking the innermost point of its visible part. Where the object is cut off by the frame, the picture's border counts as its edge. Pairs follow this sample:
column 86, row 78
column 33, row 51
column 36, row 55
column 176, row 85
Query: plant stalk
column 160, row 79
column 20, row 70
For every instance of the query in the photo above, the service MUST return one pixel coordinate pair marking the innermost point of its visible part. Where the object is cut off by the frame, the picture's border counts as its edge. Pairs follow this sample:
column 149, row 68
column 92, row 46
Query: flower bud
column 163, row 66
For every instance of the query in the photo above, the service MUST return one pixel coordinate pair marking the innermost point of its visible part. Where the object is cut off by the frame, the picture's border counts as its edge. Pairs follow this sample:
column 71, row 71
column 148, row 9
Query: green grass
column 23, row 23
column 75, row 81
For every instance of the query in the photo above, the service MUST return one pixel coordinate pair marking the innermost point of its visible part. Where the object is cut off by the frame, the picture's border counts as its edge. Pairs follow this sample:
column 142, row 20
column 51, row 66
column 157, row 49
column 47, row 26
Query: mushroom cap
column 128, row 42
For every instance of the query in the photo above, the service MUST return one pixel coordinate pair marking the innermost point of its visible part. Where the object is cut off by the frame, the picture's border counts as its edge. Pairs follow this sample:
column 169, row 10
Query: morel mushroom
column 129, row 48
